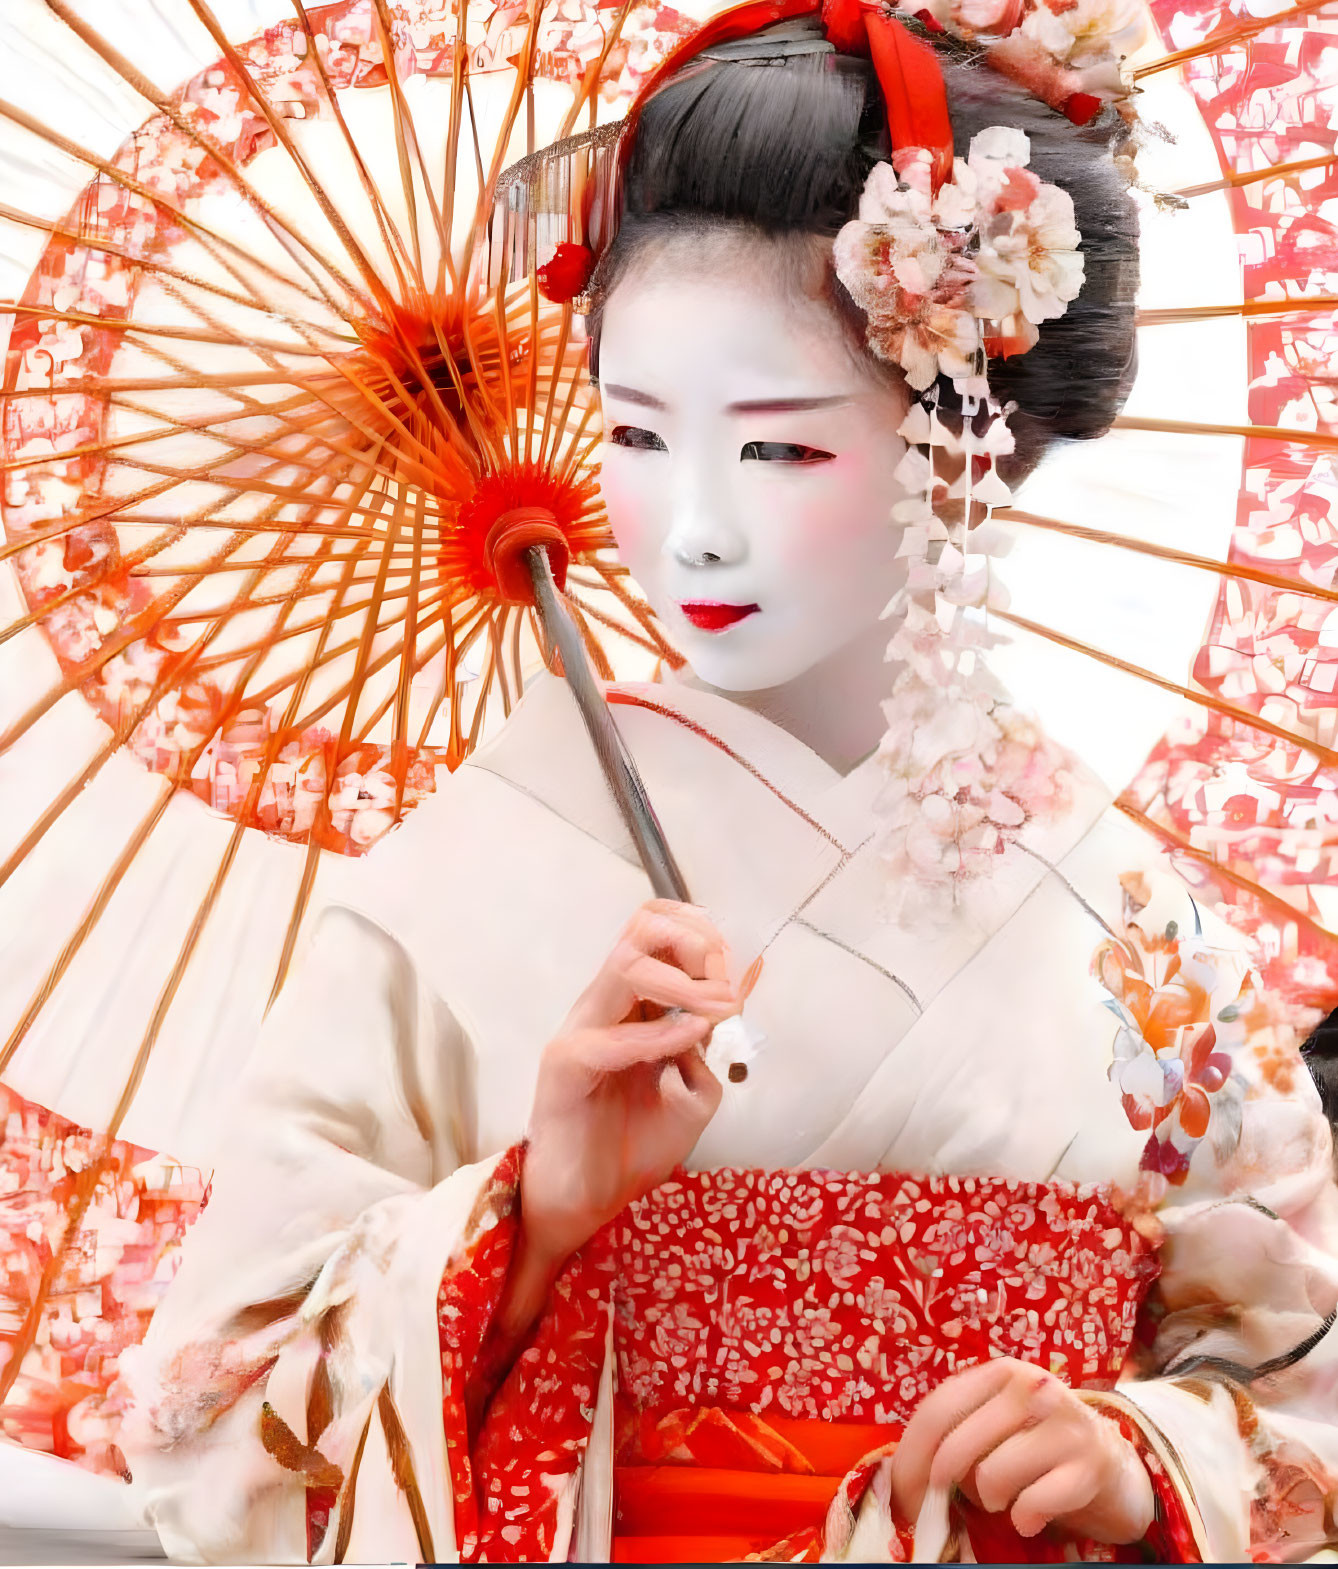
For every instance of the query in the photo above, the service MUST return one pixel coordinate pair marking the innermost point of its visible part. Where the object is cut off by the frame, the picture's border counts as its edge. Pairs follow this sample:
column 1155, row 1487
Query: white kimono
column 300, row 1344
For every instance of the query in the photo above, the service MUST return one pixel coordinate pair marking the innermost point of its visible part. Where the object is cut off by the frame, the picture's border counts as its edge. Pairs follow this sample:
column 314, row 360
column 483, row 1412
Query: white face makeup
column 747, row 466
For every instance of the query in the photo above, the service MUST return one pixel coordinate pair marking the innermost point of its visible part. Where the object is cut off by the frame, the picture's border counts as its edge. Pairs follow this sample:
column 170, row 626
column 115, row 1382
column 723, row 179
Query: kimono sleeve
column 290, row 1384
column 1238, row 1393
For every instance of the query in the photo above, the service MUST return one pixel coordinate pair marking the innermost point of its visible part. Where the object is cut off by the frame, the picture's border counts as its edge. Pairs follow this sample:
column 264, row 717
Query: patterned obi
column 773, row 1328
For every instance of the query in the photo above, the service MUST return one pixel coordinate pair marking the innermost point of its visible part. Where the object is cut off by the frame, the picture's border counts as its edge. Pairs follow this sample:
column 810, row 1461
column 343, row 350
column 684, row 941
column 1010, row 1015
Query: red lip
column 708, row 616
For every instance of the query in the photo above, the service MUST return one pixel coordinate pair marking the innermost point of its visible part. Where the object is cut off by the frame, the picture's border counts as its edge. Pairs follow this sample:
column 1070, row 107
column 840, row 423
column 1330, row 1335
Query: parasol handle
column 616, row 761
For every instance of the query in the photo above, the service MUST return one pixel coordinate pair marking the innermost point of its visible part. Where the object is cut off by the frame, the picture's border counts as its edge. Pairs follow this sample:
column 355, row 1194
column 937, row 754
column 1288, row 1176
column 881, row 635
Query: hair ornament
column 947, row 277
column 1069, row 53
column 963, row 771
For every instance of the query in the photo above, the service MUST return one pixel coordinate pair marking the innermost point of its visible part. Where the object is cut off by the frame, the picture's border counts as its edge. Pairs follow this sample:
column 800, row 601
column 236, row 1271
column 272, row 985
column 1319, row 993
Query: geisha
column 986, row 1217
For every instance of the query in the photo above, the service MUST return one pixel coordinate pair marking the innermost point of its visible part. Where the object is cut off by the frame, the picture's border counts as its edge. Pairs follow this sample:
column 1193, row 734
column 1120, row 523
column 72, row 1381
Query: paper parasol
column 269, row 385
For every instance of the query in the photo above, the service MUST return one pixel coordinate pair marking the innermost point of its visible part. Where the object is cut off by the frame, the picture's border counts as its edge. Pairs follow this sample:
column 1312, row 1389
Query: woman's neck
column 834, row 707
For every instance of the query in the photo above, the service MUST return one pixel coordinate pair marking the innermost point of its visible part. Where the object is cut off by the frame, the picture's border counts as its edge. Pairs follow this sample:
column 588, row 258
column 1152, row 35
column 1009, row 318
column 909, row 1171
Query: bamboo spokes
column 391, row 237
column 257, row 486
column 352, row 694
column 176, row 669
column 236, row 383
column 142, row 625
column 343, row 367
column 154, row 266
column 281, row 564
column 412, row 164
column 1229, row 874
column 314, row 187
column 1233, row 711
column 1274, row 171
column 1228, row 37
column 422, row 657
column 288, row 236
column 110, row 570
column 114, row 444
column 594, row 75
column 638, row 609
column 213, row 241
column 1304, row 438
column 1293, row 305
column 134, row 329
column 495, row 624
column 240, row 448
column 320, row 415
column 454, row 121
column 132, row 563
column 454, row 646
column 27, row 1334
column 1290, row 584
column 97, row 514
column 283, row 596
column 547, row 430
column 502, row 141
column 592, row 613
column 532, row 375
column 403, row 686
column 132, row 632
column 443, row 602
column 355, row 608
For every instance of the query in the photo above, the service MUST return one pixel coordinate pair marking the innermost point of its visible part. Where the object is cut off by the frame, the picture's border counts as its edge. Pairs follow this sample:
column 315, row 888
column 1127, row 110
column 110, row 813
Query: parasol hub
column 508, row 541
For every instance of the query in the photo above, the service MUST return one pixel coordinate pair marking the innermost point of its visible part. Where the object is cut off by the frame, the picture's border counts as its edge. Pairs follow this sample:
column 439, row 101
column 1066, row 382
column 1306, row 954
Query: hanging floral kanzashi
column 946, row 279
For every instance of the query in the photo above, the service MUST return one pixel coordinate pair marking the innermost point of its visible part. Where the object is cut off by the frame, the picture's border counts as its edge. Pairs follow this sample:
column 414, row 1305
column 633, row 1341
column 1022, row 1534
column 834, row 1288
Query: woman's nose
column 701, row 532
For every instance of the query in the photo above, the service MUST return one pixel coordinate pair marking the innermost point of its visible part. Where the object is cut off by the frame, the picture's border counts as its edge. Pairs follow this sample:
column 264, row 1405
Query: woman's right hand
column 624, row 1091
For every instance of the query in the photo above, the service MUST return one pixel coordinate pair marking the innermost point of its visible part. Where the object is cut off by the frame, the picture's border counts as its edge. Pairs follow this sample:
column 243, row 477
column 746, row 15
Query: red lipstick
column 709, row 616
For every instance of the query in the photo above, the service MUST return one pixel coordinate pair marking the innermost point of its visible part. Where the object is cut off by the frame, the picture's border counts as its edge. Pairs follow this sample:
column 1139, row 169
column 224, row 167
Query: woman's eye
column 782, row 452
column 634, row 436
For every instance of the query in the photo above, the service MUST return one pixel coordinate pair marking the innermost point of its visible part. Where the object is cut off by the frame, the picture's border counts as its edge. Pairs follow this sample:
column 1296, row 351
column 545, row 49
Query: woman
column 453, row 1294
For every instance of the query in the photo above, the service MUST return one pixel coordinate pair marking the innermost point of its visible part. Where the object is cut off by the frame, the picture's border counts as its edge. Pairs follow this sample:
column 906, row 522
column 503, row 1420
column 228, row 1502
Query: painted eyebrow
column 631, row 395
column 745, row 406
column 787, row 405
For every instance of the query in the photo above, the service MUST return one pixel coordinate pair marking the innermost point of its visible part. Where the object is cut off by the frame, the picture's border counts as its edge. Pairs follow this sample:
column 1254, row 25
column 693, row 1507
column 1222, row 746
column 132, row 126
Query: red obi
column 772, row 1330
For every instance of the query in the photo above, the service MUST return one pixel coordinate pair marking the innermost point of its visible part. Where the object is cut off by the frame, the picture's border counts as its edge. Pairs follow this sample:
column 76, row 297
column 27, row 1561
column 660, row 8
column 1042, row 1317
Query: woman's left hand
column 1013, row 1437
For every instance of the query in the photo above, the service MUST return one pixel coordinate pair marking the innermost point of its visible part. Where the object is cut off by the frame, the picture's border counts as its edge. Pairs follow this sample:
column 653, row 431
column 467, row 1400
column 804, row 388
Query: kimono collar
column 668, row 725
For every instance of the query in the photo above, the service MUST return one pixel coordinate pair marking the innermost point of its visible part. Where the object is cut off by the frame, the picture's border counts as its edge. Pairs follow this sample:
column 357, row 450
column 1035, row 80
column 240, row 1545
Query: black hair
column 782, row 145
column 1320, row 1053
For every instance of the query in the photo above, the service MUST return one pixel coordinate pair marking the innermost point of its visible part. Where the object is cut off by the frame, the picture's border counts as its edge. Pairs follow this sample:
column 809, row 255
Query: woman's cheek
column 828, row 512
column 628, row 502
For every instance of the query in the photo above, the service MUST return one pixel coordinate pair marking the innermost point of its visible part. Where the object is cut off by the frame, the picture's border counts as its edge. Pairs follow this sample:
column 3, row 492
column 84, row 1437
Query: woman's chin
column 737, row 668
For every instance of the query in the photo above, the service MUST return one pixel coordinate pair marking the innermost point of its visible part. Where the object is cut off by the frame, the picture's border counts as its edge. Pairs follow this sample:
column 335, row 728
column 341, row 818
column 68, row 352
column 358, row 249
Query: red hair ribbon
column 907, row 68
column 908, row 73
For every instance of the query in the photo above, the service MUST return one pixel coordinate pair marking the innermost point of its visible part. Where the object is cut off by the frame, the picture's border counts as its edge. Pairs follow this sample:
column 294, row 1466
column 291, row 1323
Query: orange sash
column 770, row 1480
